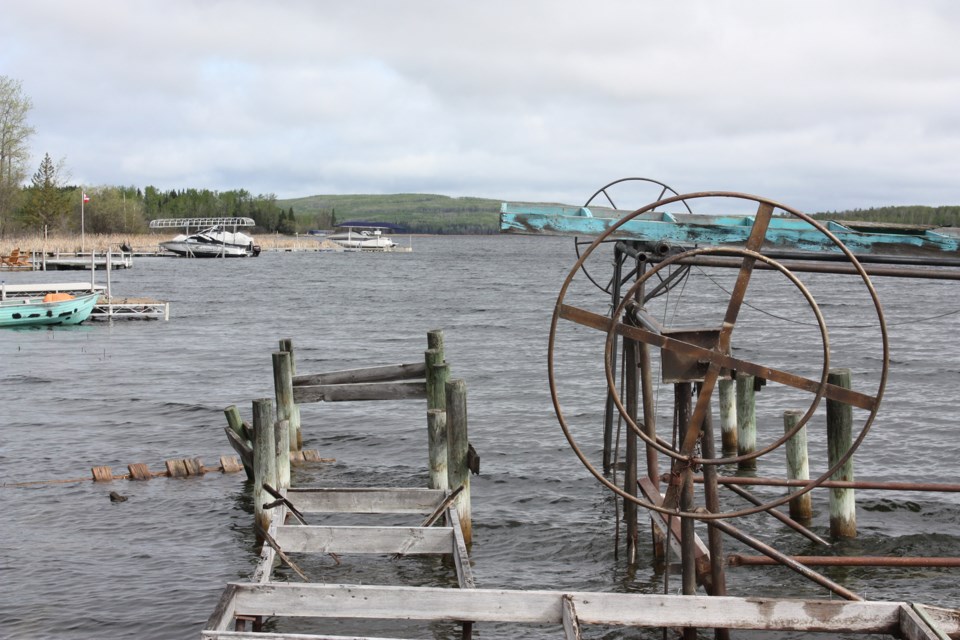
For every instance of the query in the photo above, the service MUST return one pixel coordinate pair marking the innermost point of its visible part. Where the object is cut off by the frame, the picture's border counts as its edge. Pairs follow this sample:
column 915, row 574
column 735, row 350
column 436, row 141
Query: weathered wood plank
column 361, row 391
column 545, row 607
column 913, row 627
column 461, row 558
column 571, row 625
column 366, row 500
column 388, row 373
column 405, row 540
column 252, row 635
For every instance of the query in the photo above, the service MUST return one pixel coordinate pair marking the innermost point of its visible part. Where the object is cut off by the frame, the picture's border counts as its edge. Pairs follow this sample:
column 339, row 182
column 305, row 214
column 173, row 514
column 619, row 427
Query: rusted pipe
column 783, row 559
column 926, row 273
column 737, row 560
column 836, row 484
column 785, row 519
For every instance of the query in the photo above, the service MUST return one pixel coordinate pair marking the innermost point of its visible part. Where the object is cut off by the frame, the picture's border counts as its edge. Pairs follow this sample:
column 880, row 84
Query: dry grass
column 139, row 242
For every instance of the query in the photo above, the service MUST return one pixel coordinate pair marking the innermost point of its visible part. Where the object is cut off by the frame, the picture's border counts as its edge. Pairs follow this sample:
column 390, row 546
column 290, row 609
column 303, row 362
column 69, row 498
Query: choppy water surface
column 76, row 565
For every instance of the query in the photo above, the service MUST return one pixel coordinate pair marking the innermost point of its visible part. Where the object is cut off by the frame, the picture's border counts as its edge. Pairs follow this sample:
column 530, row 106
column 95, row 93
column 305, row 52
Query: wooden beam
column 360, row 391
column 461, row 558
column 366, row 500
column 571, row 625
column 386, row 373
column 323, row 539
column 545, row 607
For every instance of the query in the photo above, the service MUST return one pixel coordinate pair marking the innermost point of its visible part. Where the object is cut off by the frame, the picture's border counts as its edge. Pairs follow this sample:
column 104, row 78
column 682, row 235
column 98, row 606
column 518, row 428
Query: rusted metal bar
column 597, row 321
column 718, row 578
column 783, row 559
column 834, row 268
column 836, row 484
column 785, row 519
column 737, row 560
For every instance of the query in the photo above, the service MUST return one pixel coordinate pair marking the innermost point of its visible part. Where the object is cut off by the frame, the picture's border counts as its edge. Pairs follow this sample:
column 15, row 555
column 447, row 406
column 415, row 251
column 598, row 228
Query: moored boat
column 51, row 309
column 362, row 236
column 217, row 238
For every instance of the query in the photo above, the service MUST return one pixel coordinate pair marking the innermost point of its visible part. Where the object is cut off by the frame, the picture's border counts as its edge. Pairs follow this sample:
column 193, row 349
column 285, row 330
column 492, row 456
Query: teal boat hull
column 689, row 230
column 24, row 312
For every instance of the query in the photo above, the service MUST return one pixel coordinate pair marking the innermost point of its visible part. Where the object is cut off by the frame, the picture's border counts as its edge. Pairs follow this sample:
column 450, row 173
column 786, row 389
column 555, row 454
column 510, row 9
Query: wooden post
column 437, row 436
column 264, row 459
column 283, row 388
column 843, row 507
column 236, row 422
column 282, row 453
column 457, row 445
column 728, row 416
column 286, row 344
column 798, row 465
column 746, row 419
column 435, row 341
column 437, row 374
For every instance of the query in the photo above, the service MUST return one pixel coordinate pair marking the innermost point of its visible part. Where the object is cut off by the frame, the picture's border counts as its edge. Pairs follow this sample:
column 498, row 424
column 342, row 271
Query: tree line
column 947, row 216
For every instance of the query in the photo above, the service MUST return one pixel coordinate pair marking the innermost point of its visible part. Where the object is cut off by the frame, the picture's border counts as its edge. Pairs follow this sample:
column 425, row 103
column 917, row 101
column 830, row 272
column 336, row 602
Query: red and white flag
column 86, row 198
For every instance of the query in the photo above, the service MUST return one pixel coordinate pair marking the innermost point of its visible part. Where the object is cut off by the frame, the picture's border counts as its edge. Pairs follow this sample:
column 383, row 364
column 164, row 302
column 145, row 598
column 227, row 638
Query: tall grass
column 140, row 242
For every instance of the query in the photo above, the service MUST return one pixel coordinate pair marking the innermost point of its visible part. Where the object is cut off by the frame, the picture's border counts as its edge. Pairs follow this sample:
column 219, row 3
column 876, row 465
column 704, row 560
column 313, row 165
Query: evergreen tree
column 48, row 203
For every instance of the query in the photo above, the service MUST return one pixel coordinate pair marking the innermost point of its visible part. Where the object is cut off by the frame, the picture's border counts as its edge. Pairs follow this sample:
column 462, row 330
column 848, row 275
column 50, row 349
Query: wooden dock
column 284, row 515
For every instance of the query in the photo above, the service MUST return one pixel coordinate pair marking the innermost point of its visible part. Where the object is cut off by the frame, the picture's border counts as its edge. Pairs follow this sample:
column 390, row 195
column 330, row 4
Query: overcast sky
column 819, row 105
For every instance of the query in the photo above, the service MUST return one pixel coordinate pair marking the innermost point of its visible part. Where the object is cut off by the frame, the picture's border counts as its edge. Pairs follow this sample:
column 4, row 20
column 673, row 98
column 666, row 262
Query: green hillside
column 415, row 212
column 915, row 214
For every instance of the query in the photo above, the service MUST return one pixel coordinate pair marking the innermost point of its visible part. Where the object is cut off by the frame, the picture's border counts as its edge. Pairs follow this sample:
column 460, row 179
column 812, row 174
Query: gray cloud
column 819, row 105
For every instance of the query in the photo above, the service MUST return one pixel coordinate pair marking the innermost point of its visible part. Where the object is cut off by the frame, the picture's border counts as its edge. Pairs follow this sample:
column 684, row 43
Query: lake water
column 76, row 565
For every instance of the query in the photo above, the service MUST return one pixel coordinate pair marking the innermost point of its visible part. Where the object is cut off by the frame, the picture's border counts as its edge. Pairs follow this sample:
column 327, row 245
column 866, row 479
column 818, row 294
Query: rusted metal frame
column 739, row 560
column 839, row 484
column 875, row 258
column 682, row 392
column 783, row 559
column 838, row 269
column 754, row 242
column 718, row 577
column 597, row 321
column 671, row 528
column 782, row 517
column 610, row 408
column 630, row 377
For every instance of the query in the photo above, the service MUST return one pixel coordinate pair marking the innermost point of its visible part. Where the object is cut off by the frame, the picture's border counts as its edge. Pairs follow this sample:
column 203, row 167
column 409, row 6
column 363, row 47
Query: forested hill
column 936, row 216
column 428, row 213
column 416, row 213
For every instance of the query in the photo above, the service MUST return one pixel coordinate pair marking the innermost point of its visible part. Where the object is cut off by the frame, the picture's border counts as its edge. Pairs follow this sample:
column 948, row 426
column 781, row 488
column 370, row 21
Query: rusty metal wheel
column 716, row 358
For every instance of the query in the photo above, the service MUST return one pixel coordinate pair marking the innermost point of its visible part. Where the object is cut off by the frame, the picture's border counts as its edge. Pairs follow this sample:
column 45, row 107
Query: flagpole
column 83, row 197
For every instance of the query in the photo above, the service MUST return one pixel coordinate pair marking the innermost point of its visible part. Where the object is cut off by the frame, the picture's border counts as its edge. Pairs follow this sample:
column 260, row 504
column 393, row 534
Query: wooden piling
column 728, row 416
column 264, row 459
column 843, row 507
column 798, row 465
column 457, row 472
column 746, row 420
column 435, row 342
column 286, row 344
column 437, row 447
column 236, row 423
column 283, row 389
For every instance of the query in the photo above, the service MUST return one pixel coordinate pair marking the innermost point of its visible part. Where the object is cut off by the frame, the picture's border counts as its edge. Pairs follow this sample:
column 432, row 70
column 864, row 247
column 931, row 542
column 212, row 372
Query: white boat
column 364, row 238
column 218, row 238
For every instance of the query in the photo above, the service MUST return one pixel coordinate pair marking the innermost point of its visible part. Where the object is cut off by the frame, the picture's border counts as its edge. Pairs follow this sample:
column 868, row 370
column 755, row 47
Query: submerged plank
column 406, row 540
column 363, row 500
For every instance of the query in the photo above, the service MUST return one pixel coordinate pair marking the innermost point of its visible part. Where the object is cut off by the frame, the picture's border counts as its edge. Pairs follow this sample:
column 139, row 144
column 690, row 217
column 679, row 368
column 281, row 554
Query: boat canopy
column 168, row 223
